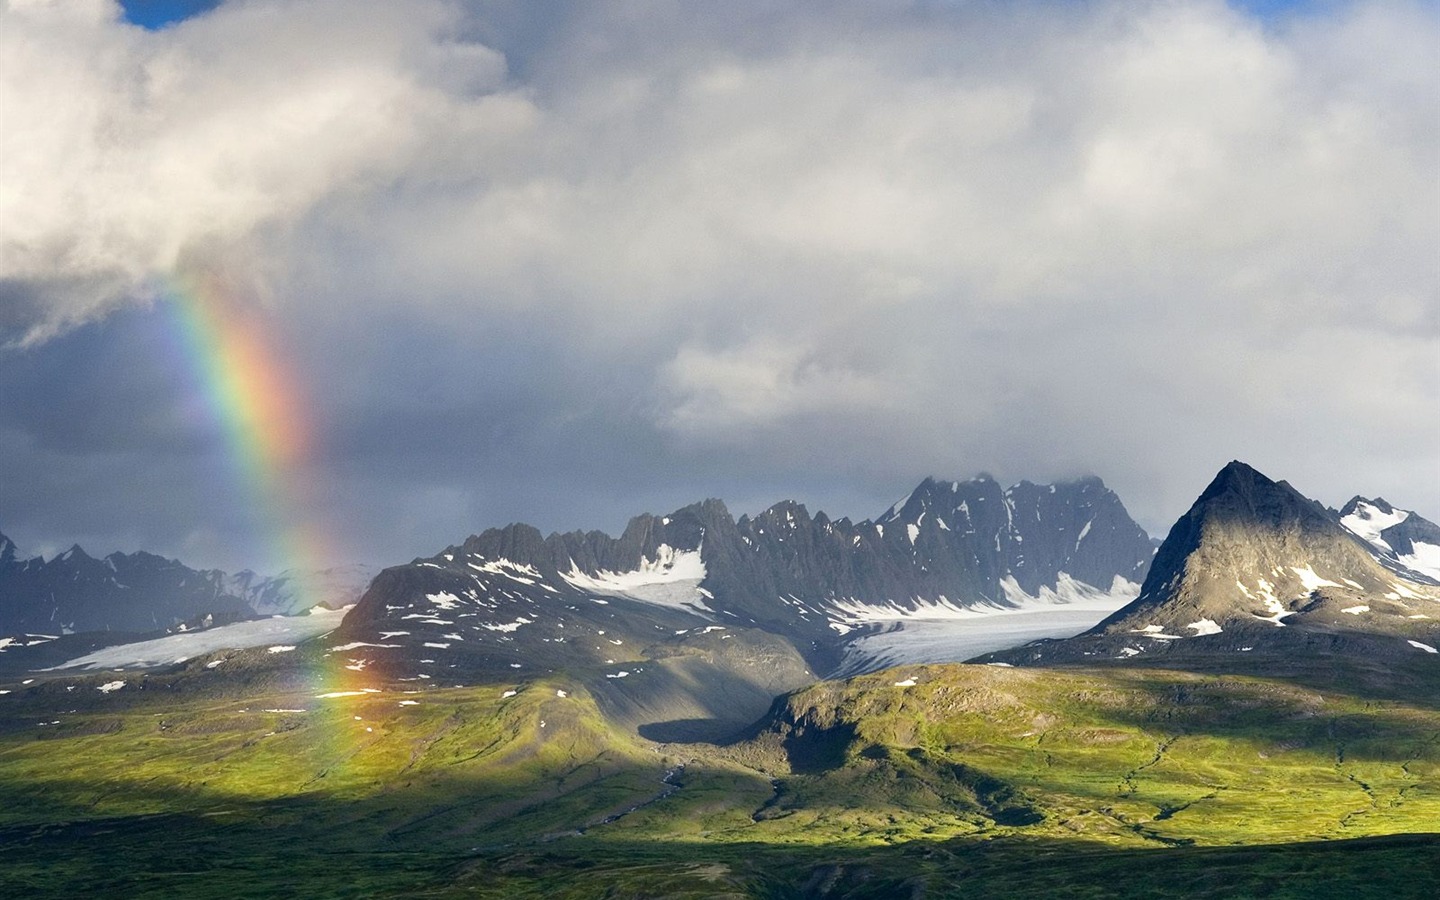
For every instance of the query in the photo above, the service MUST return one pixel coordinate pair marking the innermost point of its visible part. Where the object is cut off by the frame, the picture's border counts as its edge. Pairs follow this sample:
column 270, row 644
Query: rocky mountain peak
column 1253, row 553
column 76, row 553
column 1240, row 493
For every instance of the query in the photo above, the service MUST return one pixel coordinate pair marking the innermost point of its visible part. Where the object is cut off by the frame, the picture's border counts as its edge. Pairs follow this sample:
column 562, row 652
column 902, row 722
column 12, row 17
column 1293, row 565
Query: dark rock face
column 1254, row 566
column 1031, row 532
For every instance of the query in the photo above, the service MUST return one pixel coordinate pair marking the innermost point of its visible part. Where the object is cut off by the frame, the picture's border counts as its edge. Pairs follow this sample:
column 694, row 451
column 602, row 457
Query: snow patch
column 1276, row 609
column 445, row 600
column 1158, row 631
column 1356, row 610
column 111, row 686
column 1425, row 559
column 909, row 682
column 521, row 572
column 1426, row 647
column 1310, row 580
column 1205, row 626
column 507, row 627
column 672, row 579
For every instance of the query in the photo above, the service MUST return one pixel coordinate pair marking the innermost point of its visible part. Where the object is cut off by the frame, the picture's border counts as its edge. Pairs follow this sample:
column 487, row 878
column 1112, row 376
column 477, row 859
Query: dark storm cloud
column 566, row 262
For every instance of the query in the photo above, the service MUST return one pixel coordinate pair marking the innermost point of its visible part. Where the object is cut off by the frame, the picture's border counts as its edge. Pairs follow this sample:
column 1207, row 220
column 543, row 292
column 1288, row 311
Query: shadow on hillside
column 693, row 731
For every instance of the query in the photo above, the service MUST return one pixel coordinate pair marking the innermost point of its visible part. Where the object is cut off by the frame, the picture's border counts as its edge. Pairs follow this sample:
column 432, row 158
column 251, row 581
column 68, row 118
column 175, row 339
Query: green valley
column 925, row 781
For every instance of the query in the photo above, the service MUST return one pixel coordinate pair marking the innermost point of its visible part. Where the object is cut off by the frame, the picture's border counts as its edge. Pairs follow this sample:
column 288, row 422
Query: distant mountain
column 143, row 593
column 1256, row 567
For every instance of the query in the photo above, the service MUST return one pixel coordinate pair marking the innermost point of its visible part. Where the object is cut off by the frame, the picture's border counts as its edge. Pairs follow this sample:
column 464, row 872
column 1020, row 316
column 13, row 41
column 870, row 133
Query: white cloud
column 764, row 383
column 126, row 150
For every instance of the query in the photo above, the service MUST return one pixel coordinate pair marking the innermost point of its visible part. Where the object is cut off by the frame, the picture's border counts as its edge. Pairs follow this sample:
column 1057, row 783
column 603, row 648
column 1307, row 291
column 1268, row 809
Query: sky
column 567, row 262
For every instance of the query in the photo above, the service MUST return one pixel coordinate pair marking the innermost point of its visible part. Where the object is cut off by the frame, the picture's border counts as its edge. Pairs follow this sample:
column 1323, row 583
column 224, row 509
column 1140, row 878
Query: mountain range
column 746, row 608
column 808, row 595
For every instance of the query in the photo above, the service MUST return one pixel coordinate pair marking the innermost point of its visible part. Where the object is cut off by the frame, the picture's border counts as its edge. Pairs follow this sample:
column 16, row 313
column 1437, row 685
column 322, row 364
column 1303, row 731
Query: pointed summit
column 1240, row 492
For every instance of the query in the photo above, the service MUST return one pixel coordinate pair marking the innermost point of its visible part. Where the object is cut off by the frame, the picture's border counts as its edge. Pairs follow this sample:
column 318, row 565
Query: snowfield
column 942, row 631
column 278, row 631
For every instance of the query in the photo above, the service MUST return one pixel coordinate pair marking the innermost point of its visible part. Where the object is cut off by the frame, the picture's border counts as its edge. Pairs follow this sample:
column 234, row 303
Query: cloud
column 750, row 243
column 130, row 152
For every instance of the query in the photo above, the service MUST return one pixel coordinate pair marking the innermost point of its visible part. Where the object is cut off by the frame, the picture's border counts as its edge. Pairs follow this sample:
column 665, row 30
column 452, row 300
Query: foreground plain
column 923, row 781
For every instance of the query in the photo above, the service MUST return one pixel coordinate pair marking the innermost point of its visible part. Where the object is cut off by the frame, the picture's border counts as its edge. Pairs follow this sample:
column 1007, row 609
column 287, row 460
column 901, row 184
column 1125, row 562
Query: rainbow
column 235, row 354
column 254, row 395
